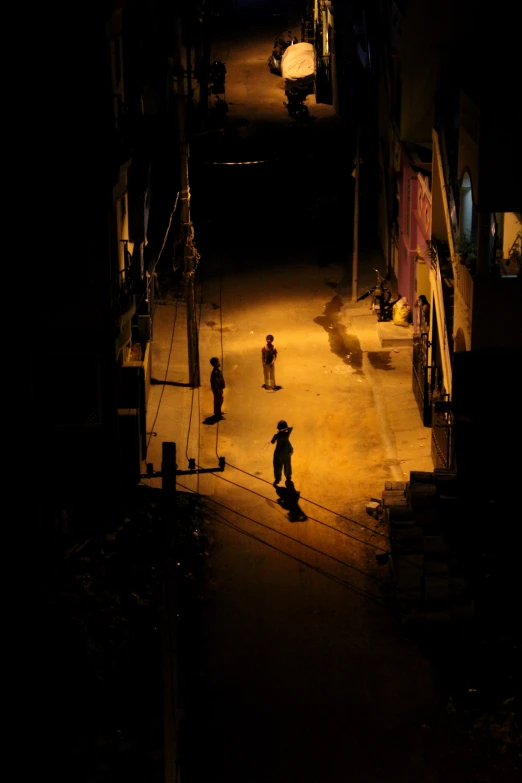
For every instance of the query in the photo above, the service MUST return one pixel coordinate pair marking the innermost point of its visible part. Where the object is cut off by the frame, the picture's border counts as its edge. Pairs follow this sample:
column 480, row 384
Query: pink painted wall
column 408, row 233
column 414, row 228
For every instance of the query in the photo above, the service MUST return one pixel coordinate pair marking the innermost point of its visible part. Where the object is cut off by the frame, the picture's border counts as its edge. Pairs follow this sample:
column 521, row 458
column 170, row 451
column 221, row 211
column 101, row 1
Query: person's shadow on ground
column 288, row 498
column 213, row 419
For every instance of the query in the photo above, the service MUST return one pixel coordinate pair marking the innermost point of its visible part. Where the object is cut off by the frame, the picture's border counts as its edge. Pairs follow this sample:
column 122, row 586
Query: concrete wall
column 414, row 228
column 468, row 156
column 430, row 29
column 438, row 220
column 463, row 307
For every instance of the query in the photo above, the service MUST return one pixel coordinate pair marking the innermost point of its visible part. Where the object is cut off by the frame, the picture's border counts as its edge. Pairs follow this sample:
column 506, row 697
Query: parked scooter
column 274, row 62
column 280, row 46
column 381, row 301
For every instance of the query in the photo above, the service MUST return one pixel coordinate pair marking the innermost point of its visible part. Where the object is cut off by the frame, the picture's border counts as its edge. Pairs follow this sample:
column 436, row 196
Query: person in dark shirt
column 217, row 384
column 282, row 452
column 268, row 357
column 424, row 309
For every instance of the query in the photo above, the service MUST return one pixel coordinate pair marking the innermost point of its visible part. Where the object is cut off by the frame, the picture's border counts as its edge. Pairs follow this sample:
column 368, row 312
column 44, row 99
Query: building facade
column 90, row 368
column 450, row 212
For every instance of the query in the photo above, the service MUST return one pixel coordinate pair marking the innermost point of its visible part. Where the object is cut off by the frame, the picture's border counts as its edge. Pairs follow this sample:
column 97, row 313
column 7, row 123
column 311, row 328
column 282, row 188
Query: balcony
column 464, row 285
column 124, row 294
column 125, row 291
column 442, row 441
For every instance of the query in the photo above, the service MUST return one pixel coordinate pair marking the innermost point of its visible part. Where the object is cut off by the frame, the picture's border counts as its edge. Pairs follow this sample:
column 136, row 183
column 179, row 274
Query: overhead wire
column 198, row 394
column 324, row 508
column 160, row 252
column 324, row 524
column 190, row 423
column 166, row 373
column 400, row 558
column 221, row 334
column 199, row 387
column 374, row 532
column 307, row 500
column 345, row 583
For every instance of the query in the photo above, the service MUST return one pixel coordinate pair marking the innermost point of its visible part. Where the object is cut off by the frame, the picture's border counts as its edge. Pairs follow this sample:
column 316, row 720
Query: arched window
column 467, row 210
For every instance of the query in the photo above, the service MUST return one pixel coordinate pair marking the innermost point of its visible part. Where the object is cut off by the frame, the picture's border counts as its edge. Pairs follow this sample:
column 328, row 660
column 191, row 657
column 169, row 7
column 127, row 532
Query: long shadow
column 288, row 498
column 345, row 346
column 381, row 360
column 155, row 381
column 213, row 419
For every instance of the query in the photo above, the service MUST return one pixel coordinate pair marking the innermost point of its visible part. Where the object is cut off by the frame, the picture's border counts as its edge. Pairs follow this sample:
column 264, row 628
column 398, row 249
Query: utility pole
column 355, row 255
column 169, row 627
column 189, row 249
column 204, row 62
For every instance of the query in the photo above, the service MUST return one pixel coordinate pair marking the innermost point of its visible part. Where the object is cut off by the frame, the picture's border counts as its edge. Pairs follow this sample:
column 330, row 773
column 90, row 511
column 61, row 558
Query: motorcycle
column 295, row 105
column 381, row 301
column 274, row 62
column 279, row 48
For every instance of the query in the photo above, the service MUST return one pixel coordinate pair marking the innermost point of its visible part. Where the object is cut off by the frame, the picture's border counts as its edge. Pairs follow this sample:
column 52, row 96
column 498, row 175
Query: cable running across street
column 309, row 546
column 339, row 580
column 384, row 550
column 324, row 524
column 324, row 508
column 402, row 558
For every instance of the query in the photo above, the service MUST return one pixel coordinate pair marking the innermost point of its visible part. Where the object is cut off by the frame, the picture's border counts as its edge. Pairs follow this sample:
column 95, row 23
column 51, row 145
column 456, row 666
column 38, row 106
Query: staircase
column 448, row 290
column 443, row 281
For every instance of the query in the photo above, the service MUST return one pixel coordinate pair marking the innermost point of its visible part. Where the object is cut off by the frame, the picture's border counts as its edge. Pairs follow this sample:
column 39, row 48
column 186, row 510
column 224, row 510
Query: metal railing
column 125, row 289
column 442, row 326
column 442, row 441
column 464, row 285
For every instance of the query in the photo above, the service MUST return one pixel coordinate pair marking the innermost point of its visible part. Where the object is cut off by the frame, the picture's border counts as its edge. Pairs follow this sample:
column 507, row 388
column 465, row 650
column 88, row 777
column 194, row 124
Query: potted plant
column 466, row 252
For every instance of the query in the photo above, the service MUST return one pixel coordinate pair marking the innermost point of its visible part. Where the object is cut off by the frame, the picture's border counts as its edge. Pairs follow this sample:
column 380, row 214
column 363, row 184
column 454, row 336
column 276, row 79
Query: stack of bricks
column 427, row 584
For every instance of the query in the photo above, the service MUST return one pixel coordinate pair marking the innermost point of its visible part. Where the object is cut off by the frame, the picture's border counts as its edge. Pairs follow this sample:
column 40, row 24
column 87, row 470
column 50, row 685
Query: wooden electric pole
column 169, row 624
column 355, row 254
column 189, row 250
column 204, row 61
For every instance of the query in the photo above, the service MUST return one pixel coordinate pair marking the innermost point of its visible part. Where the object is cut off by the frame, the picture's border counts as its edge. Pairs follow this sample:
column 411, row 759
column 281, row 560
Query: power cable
column 324, row 508
column 345, row 583
column 160, row 252
column 221, row 333
column 167, row 232
column 217, row 427
column 199, row 387
column 401, row 558
column 325, row 554
column 307, row 500
column 166, row 373
column 189, row 424
column 324, row 524
column 198, row 390
column 374, row 532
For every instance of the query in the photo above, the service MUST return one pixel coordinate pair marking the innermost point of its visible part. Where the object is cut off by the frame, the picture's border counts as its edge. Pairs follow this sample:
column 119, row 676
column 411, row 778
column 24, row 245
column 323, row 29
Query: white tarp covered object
column 298, row 65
